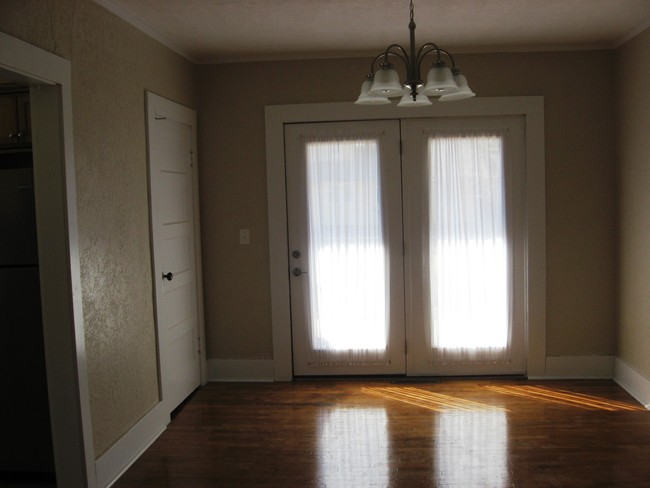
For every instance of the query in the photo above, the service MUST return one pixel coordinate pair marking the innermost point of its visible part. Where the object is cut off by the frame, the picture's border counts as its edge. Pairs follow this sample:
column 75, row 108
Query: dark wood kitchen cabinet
column 15, row 126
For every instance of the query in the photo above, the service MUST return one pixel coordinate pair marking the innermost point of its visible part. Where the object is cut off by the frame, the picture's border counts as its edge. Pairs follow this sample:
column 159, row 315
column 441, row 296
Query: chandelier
column 443, row 81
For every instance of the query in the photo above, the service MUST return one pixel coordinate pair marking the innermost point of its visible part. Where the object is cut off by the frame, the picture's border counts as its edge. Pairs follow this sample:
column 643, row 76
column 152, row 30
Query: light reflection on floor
column 353, row 445
column 466, row 442
column 469, row 441
column 472, row 448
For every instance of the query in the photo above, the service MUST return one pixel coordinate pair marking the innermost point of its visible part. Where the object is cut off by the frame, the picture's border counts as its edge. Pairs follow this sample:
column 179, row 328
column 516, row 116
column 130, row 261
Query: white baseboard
column 579, row 367
column 557, row 367
column 240, row 370
column 633, row 382
column 121, row 455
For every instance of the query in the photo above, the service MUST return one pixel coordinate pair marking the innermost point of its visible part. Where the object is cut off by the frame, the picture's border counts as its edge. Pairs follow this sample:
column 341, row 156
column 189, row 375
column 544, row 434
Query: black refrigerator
column 26, row 442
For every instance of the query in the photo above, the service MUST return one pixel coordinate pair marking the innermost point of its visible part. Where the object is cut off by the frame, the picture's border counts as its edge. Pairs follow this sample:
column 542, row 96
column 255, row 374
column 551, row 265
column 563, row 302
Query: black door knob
column 169, row 276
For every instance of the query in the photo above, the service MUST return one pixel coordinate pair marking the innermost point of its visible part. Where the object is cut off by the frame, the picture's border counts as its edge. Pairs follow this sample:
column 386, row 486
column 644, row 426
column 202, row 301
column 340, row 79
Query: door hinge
column 199, row 341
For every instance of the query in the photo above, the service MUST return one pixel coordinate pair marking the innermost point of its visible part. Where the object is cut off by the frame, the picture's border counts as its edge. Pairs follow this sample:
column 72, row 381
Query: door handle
column 169, row 276
column 298, row 272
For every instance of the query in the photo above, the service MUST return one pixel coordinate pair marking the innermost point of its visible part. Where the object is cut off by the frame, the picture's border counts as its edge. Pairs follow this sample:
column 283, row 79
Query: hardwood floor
column 456, row 433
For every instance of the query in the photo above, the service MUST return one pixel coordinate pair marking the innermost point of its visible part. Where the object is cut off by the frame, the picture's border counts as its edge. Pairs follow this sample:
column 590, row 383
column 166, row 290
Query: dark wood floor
column 456, row 433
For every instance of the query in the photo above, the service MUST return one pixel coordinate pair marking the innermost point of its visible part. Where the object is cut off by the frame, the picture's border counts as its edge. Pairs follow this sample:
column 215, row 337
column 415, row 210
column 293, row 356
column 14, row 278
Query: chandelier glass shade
column 442, row 81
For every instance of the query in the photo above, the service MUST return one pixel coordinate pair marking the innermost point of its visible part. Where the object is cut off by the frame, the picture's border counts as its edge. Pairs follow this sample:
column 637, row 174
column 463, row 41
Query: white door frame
column 49, row 77
column 158, row 106
column 532, row 108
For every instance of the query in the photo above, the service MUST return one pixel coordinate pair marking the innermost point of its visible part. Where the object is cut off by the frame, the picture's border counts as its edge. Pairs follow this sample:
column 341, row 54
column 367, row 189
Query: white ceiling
column 212, row 31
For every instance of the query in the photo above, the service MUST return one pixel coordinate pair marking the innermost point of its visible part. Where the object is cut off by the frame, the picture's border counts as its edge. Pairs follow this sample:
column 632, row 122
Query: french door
column 345, row 238
column 406, row 262
column 465, row 256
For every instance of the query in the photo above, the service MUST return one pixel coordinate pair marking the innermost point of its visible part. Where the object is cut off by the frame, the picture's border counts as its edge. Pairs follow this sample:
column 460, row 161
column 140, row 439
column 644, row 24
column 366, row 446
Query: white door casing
column 49, row 77
column 174, row 230
column 531, row 108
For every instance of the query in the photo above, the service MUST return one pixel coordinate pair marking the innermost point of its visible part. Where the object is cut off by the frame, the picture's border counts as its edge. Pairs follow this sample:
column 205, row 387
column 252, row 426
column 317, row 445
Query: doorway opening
column 49, row 80
column 407, row 262
column 26, row 451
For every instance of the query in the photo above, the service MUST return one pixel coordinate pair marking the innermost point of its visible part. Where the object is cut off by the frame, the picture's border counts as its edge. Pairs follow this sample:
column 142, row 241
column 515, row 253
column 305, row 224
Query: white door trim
column 55, row 191
column 532, row 108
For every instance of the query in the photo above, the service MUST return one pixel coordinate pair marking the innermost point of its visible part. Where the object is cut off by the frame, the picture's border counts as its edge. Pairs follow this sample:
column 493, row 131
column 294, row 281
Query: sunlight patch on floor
column 567, row 398
column 427, row 399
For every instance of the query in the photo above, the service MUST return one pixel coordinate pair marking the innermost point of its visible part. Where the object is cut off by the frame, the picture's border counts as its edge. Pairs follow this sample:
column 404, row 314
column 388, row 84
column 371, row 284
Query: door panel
column 171, row 143
column 464, row 266
column 344, row 210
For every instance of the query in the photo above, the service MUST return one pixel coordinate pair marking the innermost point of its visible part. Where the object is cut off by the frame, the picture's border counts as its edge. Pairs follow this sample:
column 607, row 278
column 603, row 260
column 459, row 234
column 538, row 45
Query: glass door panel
column 345, row 234
column 464, row 263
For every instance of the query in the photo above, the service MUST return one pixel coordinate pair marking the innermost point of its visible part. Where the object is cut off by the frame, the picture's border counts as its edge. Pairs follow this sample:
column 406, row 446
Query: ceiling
column 215, row 31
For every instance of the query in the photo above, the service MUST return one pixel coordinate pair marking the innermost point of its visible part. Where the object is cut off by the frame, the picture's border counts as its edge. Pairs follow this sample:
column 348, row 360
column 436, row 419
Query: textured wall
column 112, row 65
column 634, row 202
column 233, row 188
column 580, row 168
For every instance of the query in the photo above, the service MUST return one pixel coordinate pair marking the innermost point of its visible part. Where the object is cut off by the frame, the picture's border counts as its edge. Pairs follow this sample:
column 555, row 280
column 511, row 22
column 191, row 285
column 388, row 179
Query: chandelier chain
column 411, row 10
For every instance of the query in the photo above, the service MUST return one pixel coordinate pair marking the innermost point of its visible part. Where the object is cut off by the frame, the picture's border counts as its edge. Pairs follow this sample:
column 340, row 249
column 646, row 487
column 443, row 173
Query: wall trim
column 632, row 381
column 121, row 455
column 240, row 370
column 578, row 367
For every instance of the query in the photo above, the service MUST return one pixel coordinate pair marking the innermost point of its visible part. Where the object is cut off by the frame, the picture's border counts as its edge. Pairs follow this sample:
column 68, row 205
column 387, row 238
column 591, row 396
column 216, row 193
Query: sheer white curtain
column 348, row 264
column 469, row 285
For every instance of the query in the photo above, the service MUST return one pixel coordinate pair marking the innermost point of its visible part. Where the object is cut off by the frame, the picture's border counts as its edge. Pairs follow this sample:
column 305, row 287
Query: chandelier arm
column 372, row 64
column 403, row 55
column 428, row 48
column 385, row 55
column 451, row 58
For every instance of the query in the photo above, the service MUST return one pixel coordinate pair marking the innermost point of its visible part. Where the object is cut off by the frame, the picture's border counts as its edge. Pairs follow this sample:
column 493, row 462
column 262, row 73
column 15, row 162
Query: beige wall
column 580, row 168
column 112, row 65
column 233, row 188
column 633, row 70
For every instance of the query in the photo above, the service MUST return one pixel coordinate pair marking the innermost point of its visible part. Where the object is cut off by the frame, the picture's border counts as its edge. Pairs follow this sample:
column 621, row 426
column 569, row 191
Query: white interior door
column 465, row 262
column 171, row 139
column 345, row 237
